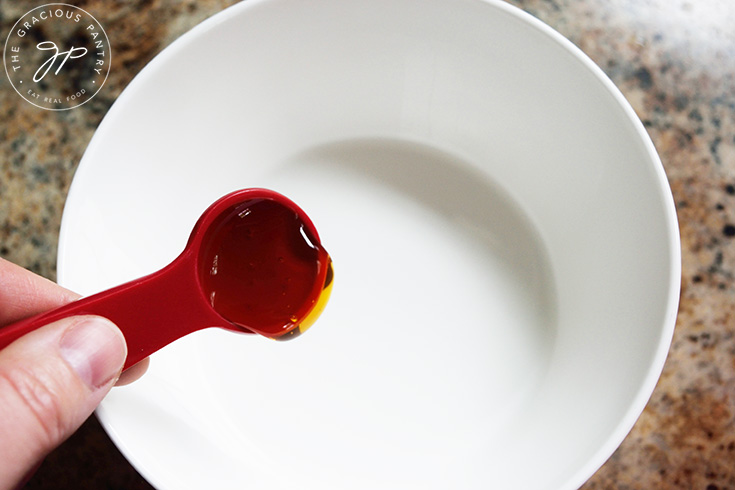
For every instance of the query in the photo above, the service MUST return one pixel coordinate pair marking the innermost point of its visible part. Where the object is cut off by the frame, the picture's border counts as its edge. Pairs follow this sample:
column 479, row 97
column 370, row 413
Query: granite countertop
column 673, row 60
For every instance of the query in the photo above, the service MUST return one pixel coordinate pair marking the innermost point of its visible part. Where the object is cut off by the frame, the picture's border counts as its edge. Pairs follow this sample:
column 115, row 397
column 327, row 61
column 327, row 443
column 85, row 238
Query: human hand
column 52, row 379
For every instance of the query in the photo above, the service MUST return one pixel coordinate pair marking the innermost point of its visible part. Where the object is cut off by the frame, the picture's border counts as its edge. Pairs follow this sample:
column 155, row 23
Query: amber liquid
column 266, row 270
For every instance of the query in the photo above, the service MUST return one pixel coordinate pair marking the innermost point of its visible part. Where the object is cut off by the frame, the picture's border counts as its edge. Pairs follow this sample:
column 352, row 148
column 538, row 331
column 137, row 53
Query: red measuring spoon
column 253, row 264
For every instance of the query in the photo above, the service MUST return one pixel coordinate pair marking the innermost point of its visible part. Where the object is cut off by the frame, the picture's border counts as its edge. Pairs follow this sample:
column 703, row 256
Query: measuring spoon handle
column 151, row 311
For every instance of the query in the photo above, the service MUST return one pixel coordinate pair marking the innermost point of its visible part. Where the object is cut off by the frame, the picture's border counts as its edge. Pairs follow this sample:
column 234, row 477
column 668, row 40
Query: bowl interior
column 503, row 236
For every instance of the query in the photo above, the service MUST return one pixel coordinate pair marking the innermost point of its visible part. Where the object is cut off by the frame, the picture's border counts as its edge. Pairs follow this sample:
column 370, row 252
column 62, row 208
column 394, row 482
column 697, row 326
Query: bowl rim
column 646, row 388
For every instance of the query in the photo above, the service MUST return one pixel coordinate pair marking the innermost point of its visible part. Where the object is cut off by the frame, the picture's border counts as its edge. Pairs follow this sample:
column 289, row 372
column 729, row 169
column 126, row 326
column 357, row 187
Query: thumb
column 51, row 380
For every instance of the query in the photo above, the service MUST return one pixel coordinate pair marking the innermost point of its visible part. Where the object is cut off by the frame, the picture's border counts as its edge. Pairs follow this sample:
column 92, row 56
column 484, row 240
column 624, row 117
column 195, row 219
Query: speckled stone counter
column 673, row 60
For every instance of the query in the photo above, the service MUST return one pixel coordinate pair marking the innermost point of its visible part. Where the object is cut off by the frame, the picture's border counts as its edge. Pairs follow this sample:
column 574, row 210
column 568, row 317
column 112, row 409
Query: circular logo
column 57, row 56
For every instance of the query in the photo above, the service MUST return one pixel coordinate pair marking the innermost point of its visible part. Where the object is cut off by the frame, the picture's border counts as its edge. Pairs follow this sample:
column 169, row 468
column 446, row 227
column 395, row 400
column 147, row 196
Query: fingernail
column 95, row 349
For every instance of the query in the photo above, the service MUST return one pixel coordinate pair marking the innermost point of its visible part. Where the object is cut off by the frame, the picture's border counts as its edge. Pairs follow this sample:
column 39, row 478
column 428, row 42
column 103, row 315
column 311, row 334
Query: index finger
column 23, row 293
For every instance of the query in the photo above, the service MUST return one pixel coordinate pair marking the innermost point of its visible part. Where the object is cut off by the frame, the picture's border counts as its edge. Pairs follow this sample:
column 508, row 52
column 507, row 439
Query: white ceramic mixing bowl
column 504, row 239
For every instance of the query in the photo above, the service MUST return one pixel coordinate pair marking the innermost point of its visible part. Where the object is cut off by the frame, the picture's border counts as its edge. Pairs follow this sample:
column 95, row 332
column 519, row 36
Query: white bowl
column 505, row 247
